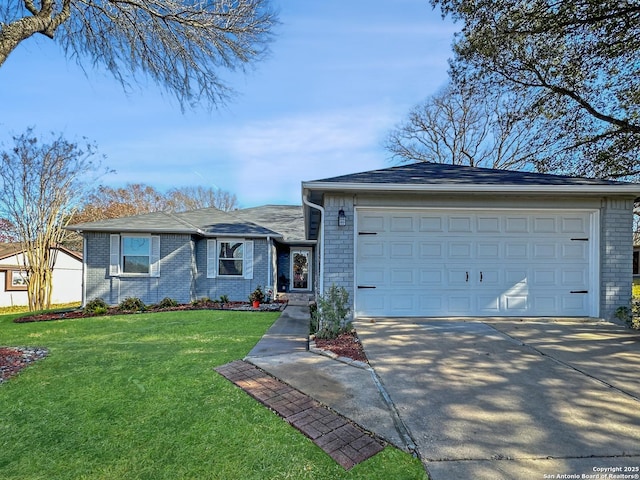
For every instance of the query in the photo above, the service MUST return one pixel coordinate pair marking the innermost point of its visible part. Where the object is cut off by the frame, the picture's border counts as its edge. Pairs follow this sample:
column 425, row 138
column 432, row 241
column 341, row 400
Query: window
column 636, row 262
column 134, row 255
column 231, row 258
column 136, row 252
column 15, row 280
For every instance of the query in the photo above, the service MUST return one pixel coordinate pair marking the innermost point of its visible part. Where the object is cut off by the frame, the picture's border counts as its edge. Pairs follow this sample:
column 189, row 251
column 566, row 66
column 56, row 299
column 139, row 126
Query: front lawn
column 136, row 397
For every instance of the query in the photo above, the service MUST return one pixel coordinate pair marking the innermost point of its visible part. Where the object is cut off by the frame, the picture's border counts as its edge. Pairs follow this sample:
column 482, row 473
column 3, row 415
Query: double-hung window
column 135, row 255
column 230, row 258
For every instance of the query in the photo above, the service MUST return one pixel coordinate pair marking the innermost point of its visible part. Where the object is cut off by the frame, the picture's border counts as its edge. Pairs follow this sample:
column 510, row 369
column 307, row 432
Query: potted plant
column 257, row 297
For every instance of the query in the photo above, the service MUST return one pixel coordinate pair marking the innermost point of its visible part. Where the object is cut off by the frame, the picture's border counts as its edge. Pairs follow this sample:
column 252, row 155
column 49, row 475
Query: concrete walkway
column 351, row 391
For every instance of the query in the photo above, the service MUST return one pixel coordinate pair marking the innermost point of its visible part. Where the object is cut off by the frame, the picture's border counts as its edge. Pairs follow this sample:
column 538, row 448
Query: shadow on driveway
column 505, row 398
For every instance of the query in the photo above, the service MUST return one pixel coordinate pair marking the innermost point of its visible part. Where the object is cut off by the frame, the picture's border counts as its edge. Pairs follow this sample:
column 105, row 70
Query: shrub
column 167, row 302
column 630, row 315
column 331, row 313
column 224, row 299
column 132, row 304
column 97, row 306
column 635, row 313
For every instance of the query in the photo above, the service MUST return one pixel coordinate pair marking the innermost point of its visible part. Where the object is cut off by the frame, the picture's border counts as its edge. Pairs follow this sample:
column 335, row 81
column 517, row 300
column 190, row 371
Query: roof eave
column 178, row 232
column 625, row 189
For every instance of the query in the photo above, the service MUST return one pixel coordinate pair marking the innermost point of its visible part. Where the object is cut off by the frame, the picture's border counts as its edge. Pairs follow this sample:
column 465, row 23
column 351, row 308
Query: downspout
column 84, row 271
column 306, row 201
column 269, row 279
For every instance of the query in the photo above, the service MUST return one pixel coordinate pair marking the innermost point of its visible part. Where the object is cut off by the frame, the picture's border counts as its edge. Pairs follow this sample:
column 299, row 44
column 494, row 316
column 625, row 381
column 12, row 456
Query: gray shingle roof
column 423, row 173
column 288, row 220
column 274, row 221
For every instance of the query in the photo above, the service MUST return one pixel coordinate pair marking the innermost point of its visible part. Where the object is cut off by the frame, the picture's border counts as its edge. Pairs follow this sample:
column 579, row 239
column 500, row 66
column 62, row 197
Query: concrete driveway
column 511, row 398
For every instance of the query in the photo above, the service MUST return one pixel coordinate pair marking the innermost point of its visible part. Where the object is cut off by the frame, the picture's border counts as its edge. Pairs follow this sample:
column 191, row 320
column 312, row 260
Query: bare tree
column 41, row 183
column 7, row 231
column 180, row 44
column 463, row 126
column 191, row 198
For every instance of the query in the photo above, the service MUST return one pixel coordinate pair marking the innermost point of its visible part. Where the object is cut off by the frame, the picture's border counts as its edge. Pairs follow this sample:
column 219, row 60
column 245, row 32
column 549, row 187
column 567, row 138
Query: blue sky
column 341, row 74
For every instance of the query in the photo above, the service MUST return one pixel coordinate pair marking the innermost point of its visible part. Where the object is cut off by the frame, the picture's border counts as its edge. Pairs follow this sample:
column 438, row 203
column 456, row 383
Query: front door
column 300, row 269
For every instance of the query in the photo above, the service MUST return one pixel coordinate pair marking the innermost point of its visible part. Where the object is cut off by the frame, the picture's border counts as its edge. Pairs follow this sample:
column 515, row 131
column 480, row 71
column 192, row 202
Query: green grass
column 136, row 397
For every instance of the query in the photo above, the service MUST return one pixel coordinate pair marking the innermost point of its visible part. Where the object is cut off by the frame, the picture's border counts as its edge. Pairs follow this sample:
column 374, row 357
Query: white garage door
column 453, row 262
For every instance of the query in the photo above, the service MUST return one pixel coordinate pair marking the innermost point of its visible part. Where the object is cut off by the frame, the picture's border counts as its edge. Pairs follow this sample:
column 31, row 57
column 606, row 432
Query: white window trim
column 213, row 258
column 116, row 254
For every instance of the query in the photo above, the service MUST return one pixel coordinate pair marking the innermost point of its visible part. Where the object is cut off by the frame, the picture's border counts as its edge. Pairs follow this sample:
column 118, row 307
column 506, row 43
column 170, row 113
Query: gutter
column 309, row 204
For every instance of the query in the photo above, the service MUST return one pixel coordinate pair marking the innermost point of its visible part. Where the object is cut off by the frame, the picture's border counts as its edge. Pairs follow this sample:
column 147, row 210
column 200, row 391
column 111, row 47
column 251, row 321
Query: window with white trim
column 135, row 255
column 230, row 258
column 636, row 262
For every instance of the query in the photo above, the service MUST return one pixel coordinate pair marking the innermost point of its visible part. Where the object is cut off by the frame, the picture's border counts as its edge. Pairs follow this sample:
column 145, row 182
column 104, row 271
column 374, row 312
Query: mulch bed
column 71, row 314
column 345, row 345
column 14, row 359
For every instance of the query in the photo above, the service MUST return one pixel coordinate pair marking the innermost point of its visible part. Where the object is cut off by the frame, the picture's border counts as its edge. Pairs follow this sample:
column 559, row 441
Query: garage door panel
column 516, row 250
column 572, row 304
column 372, row 276
column 575, row 251
column 457, row 277
column 574, row 225
column 429, row 223
column 431, row 250
column 574, row 278
column 460, row 304
column 516, row 224
column 432, row 277
column 489, row 224
column 489, row 250
column 432, row 303
column 372, row 222
column 545, row 251
column 404, row 276
column 401, row 224
column 401, row 250
column 544, row 225
column 372, row 249
column 433, row 263
column 460, row 250
column 460, row 224
column 488, row 304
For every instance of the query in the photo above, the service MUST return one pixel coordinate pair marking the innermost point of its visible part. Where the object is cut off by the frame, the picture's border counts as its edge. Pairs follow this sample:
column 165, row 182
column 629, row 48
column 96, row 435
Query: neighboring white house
column 67, row 276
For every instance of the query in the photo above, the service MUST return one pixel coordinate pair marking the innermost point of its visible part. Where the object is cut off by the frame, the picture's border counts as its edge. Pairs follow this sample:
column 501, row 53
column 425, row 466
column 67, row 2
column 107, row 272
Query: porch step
column 297, row 298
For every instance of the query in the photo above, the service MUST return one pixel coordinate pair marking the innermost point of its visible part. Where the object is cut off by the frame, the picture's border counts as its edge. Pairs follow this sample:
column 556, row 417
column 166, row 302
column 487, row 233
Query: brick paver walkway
column 346, row 443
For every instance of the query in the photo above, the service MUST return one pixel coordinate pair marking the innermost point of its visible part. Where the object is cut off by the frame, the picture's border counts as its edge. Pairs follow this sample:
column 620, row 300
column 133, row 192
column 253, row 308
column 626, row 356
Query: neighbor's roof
column 437, row 177
column 10, row 249
column 207, row 222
